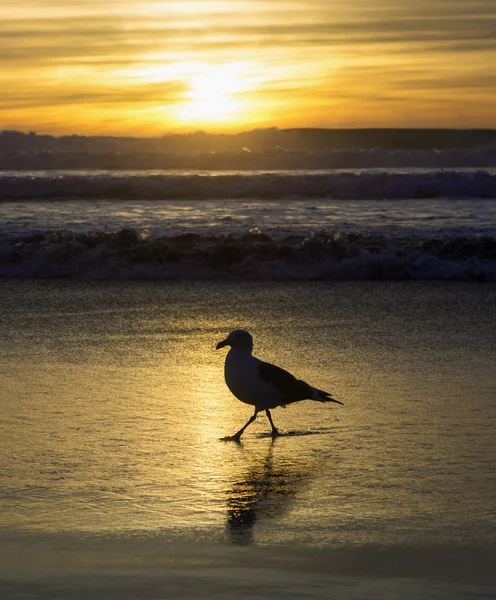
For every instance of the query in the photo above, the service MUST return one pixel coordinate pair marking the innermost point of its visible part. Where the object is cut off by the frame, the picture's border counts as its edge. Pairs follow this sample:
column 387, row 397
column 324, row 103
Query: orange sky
column 146, row 68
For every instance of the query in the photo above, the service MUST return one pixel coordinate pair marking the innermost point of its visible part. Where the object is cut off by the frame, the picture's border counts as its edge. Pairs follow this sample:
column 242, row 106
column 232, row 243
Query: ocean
column 369, row 224
column 375, row 285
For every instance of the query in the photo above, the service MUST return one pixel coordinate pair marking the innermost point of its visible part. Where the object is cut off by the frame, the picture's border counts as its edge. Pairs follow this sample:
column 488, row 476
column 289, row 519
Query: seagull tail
column 321, row 396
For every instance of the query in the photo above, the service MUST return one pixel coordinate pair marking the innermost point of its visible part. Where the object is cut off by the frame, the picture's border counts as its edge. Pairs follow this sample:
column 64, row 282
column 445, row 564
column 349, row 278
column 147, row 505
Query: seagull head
column 238, row 339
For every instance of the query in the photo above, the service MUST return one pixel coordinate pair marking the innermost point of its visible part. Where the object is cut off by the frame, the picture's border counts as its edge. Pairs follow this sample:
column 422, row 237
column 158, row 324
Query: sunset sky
column 146, row 68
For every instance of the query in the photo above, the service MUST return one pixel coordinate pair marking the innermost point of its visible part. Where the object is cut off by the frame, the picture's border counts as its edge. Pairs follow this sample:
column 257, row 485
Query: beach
column 116, row 484
column 183, row 183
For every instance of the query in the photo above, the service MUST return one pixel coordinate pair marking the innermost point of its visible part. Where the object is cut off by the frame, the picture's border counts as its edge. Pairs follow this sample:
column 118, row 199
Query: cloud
column 54, row 52
column 415, row 23
column 99, row 94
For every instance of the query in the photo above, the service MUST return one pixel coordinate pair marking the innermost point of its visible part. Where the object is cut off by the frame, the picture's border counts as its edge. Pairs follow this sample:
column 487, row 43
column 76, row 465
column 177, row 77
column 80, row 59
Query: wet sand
column 115, row 483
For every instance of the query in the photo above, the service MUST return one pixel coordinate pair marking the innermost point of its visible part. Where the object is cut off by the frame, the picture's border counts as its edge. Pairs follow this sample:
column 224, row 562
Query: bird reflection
column 267, row 489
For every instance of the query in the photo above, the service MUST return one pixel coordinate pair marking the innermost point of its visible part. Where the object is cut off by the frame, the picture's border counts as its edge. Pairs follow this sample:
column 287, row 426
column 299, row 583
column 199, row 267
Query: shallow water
column 113, row 403
column 227, row 216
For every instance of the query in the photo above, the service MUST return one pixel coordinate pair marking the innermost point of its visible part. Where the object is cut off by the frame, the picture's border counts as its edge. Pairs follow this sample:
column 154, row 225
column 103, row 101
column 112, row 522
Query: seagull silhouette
column 261, row 384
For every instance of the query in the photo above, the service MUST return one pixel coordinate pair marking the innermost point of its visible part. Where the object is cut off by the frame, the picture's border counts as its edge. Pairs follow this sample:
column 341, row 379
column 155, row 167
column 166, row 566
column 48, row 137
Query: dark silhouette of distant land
column 256, row 149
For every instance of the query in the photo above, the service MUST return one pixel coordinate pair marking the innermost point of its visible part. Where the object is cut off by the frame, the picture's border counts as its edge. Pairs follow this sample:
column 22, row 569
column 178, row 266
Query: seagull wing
column 290, row 388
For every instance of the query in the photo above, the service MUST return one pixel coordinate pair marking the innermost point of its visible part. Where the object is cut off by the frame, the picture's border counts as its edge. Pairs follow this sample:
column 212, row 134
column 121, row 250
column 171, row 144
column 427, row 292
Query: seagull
column 261, row 384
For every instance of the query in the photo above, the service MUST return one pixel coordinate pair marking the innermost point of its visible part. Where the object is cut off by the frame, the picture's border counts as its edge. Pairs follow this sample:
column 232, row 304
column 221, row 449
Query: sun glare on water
column 213, row 95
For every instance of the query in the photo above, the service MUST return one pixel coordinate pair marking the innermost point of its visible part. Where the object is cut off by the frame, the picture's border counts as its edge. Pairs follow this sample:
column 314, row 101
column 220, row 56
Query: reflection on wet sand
column 267, row 489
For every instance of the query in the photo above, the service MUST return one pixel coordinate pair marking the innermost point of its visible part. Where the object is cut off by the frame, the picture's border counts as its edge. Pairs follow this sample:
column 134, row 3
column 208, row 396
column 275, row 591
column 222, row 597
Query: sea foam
column 341, row 255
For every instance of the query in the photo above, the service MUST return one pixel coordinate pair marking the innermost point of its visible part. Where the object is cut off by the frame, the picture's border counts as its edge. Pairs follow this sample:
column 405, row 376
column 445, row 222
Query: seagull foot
column 231, row 438
column 275, row 433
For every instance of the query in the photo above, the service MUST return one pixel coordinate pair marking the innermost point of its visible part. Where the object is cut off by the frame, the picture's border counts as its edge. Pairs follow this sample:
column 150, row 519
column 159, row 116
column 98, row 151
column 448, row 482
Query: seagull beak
column 222, row 344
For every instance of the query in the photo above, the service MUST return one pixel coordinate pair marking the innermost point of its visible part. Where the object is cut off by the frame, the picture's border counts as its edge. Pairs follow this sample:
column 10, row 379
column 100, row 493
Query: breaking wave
column 343, row 255
column 270, row 185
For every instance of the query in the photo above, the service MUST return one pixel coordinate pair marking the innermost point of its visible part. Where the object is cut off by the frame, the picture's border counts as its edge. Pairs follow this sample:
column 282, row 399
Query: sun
column 213, row 95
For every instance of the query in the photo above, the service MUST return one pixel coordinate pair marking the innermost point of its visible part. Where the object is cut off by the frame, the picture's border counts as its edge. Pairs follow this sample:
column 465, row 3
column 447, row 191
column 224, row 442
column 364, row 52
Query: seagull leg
column 236, row 437
column 275, row 431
